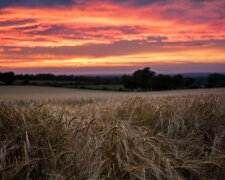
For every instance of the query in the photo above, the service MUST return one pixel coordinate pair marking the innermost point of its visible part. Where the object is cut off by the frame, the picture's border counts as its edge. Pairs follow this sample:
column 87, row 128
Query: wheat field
column 51, row 133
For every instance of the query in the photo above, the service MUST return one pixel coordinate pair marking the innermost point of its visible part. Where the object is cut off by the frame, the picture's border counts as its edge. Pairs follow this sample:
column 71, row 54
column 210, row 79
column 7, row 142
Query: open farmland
column 56, row 133
column 41, row 93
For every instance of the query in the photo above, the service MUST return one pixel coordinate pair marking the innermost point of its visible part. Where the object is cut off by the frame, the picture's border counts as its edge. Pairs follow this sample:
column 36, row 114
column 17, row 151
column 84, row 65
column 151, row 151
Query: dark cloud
column 201, row 0
column 160, row 2
column 81, row 33
column 16, row 22
column 157, row 38
column 115, row 49
column 140, row 2
column 196, row 11
column 33, row 27
column 50, row 30
column 97, row 50
column 34, row 3
column 38, row 3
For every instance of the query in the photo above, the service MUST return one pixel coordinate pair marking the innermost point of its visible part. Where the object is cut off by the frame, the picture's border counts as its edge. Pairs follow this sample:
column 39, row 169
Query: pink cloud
column 110, row 30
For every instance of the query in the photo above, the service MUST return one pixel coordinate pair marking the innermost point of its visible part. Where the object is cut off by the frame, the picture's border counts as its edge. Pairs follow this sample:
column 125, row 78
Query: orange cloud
column 184, row 56
column 148, row 21
column 149, row 34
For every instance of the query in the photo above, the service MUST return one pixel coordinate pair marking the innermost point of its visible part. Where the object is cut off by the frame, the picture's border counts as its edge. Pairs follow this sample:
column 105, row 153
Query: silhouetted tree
column 162, row 82
column 8, row 78
column 78, row 80
column 144, row 78
column 129, row 82
column 190, row 83
column 178, row 81
column 216, row 80
column 140, row 79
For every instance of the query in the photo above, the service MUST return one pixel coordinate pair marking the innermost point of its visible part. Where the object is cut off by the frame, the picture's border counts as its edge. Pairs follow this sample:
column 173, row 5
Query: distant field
column 36, row 92
column 39, row 92
column 72, row 84
column 107, row 87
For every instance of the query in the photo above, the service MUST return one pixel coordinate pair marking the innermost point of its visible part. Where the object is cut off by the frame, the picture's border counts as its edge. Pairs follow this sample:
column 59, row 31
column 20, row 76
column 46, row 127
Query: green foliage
column 104, row 87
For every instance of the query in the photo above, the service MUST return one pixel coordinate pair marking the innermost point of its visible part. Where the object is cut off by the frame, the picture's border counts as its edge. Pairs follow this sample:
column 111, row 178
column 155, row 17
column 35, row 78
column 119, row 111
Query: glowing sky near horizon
column 112, row 36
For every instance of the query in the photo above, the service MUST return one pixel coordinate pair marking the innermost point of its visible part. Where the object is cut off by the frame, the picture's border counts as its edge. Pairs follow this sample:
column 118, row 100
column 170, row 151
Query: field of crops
column 41, row 93
column 53, row 133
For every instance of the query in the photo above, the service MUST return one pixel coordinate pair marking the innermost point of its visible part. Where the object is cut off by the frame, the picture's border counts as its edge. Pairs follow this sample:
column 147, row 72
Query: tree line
column 146, row 79
column 9, row 78
column 143, row 79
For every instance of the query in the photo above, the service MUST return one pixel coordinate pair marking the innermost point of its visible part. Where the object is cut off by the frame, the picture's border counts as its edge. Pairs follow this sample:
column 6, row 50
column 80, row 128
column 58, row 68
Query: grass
column 109, row 87
column 117, row 137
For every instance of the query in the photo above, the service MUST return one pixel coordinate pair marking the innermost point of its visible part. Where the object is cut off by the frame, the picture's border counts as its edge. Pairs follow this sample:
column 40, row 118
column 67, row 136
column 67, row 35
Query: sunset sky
column 112, row 36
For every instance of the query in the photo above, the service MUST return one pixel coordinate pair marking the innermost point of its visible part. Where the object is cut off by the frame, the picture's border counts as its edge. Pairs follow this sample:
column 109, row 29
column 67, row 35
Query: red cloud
column 97, row 24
